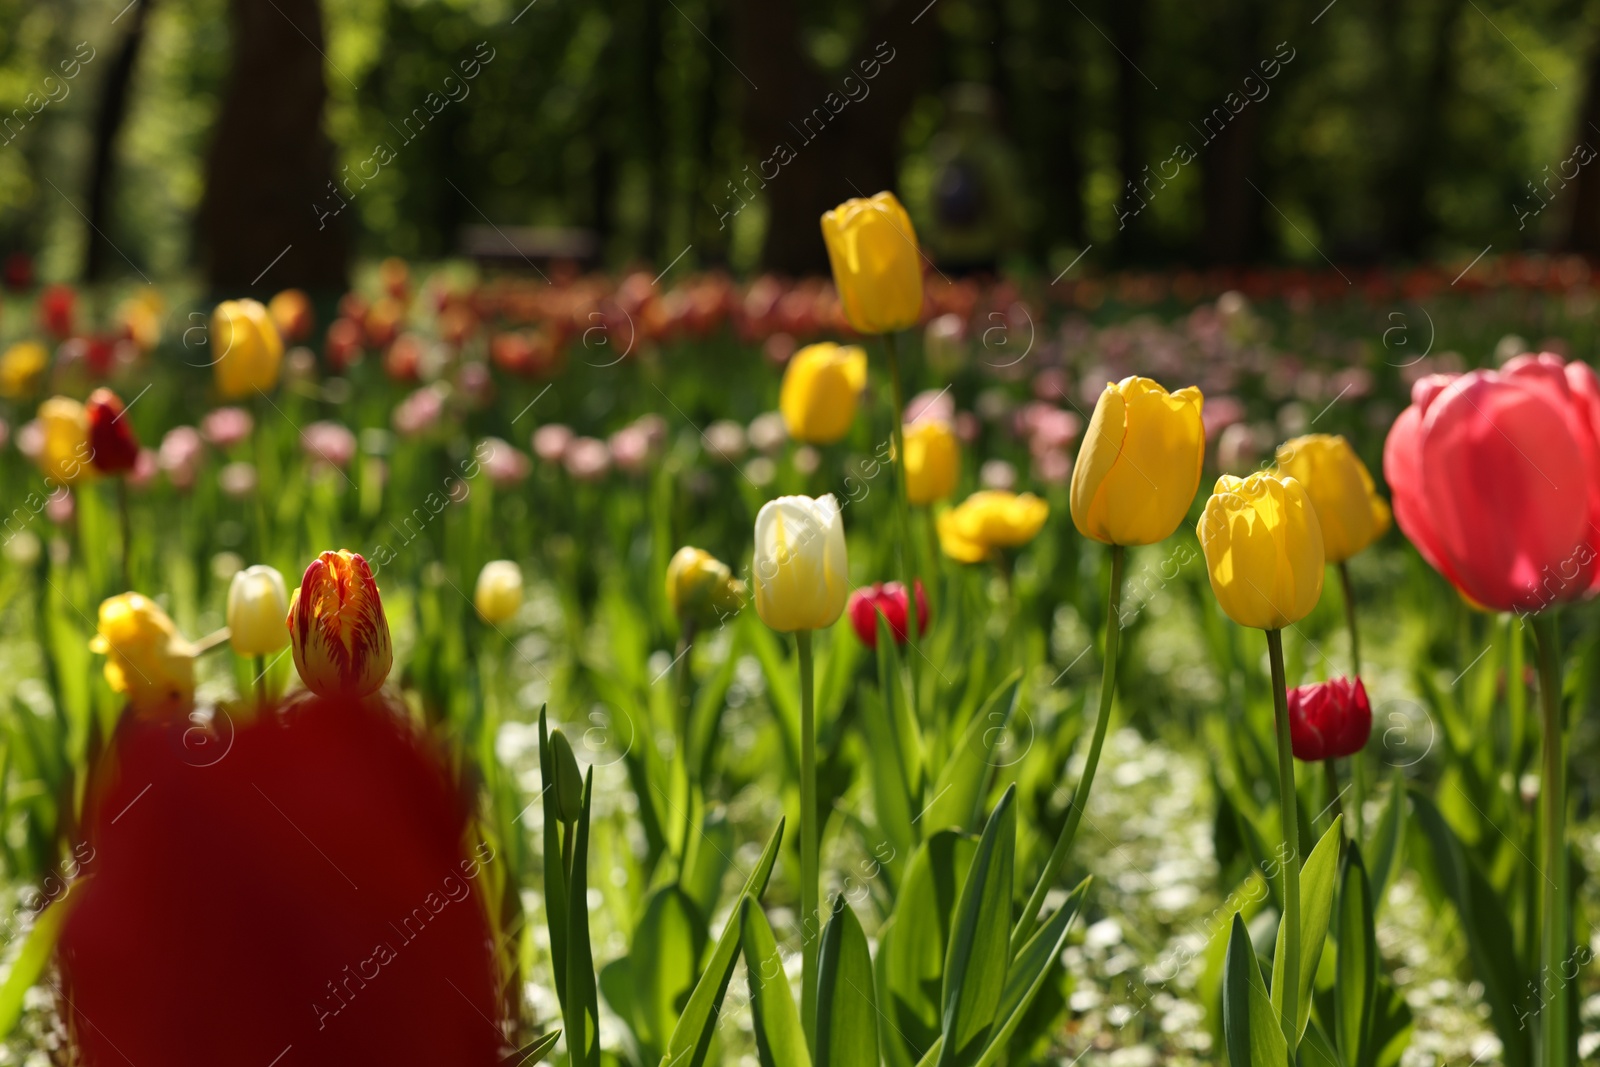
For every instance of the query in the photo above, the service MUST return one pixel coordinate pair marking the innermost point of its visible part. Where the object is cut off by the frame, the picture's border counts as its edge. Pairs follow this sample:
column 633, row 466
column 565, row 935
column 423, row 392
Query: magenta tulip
column 1329, row 720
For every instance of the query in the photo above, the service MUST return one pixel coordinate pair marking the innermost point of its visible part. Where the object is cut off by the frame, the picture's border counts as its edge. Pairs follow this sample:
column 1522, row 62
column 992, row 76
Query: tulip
column 1496, row 480
column 246, row 348
column 701, row 588
column 933, row 461
column 499, row 591
column 22, row 368
column 1139, row 464
column 889, row 600
column 820, row 388
column 1329, row 720
column 1349, row 509
column 877, row 266
column 800, row 565
column 292, row 314
column 64, row 451
column 988, row 520
column 1263, row 548
column 337, row 627
column 113, row 448
column 258, row 603
column 146, row 657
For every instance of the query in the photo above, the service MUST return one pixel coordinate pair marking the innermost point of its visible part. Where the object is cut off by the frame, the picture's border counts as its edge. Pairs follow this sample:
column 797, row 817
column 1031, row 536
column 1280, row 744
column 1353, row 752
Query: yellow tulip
column 700, row 588
column 1139, row 464
column 64, row 452
column 337, row 627
column 933, row 460
column 1263, row 547
column 22, row 369
column 245, row 348
column 146, row 657
column 499, row 591
column 988, row 520
column 258, row 602
column 877, row 266
column 820, row 388
column 1349, row 508
column 800, row 567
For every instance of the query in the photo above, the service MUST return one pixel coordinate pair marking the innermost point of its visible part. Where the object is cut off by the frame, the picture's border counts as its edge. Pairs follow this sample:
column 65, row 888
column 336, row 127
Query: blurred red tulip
column 890, row 599
column 1496, row 480
column 343, row 344
column 1329, row 719
column 56, row 306
column 19, row 272
column 113, row 447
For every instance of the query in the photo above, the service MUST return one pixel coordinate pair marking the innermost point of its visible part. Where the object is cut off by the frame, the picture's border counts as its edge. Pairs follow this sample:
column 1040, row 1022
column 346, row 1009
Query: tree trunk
column 270, row 218
column 1127, row 30
column 1583, row 228
column 109, row 116
column 1411, row 222
column 1232, row 188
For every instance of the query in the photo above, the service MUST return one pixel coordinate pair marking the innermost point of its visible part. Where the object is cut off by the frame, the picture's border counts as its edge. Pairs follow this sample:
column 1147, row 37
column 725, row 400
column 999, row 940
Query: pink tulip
column 1496, row 480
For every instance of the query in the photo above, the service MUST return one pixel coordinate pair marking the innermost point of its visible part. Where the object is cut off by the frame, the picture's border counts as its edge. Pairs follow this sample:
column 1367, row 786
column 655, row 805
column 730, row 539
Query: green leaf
column 555, row 879
column 1388, row 840
column 780, row 1039
column 1029, row 971
column 582, row 1006
column 691, row 1038
column 663, row 959
column 958, row 793
column 912, row 966
column 1356, row 974
column 783, row 685
column 1391, row 1026
column 708, row 862
column 1318, row 879
column 1249, row 1020
column 847, row 1010
column 980, row 938
column 1316, row 1050
column 535, row 1050
column 34, row 958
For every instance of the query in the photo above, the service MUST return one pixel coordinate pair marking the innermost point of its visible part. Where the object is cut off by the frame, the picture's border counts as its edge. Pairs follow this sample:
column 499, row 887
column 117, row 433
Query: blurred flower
column 245, row 348
column 779, row 349
column 997, row 474
column 806, row 460
column 65, row 454
column 383, row 321
column 700, row 588
column 1053, row 467
column 419, row 412
column 498, row 594
column 292, row 314
column 767, row 432
column 61, row 507
column 877, row 266
column 342, row 346
column 988, row 520
column 944, row 343
column 933, row 460
column 113, row 448
column 22, row 369
column 1263, row 548
column 630, row 449
column 395, row 276
column 724, row 439
column 180, row 456
column 1496, row 480
column 551, row 441
column 889, row 599
column 800, row 567
column 330, row 443
column 57, row 305
column 820, row 389
column 1329, row 720
column 1238, row 449
column 405, row 357
column 18, row 272
column 1220, row 413
column 935, row 404
column 338, row 629
column 505, row 466
column 258, row 607
column 145, row 468
column 1349, row 509
column 139, row 319
column 587, row 459
column 146, row 657
column 1139, row 465
column 226, row 427
column 237, row 480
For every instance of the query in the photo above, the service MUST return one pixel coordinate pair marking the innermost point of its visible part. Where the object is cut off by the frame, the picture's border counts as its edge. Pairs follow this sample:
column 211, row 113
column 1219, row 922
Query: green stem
column 1290, row 857
column 683, row 681
column 1080, row 796
column 261, row 682
column 1553, row 898
column 1330, row 767
column 891, row 347
column 1358, row 768
column 810, row 939
column 126, row 521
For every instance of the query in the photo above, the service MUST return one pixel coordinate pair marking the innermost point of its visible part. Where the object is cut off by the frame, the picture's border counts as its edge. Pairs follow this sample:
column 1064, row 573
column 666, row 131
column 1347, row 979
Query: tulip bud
column 113, row 448
column 64, row 452
column 337, row 627
column 800, row 567
column 820, row 388
column 1349, row 508
column 245, row 348
column 889, row 600
column 1263, row 547
column 499, row 591
column 1329, row 720
column 258, row 602
column 933, row 460
column 700, row 588
column 877, row 266
column 568, row 784
column 1139, row 464
column 146, row 657
column 988, row 520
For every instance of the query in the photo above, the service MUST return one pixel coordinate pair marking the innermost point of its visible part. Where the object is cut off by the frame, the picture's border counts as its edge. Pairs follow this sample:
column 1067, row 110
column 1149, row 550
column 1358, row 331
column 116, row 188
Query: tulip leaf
column 1391, row 1026
column 783, row 686
column 980, row 936
column 1318, row 878
column 847, row 1010
column 708, row 862
column 1388, row 840
column 912, row 966
column 1250, row 1023
column 1355, row 975
column 582, row 1006
column 555, row 879
column 1028, row 971
column 710, row 702
column 535, row 1050
column 691, row 1038
column 780, row 1039
column 31, row 962
column 898, row 701
column 958, row 793
column 666, row 949
column 1316, row 1050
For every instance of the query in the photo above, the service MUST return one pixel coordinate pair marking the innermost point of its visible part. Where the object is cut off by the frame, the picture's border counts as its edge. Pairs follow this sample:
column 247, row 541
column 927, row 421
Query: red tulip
column 1496, row 480
column 1329, row 720
column 303, row 880
column 113, row 447
column 56, row 306
column 890, row 599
